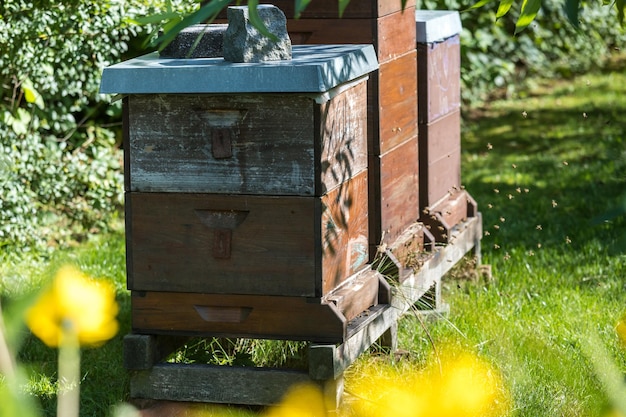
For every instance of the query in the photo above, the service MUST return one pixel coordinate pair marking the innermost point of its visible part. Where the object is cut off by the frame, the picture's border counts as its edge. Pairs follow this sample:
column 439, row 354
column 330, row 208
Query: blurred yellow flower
column 305, row 400
column 74, row 304
column 459, row 385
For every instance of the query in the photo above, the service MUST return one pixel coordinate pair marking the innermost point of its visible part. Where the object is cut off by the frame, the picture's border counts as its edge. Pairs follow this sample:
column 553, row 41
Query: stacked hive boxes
column 247, row 190
column 443, row 202
column 392, row 103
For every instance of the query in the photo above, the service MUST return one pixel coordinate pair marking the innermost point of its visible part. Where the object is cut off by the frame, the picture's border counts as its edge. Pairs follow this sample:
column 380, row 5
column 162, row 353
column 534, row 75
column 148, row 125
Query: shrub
column 493, row 58
column 60, row 162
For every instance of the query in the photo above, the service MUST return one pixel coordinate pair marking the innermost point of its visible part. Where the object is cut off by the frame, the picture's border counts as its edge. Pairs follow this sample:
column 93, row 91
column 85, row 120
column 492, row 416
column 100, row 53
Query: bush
column 60, row 162
column 494, row 59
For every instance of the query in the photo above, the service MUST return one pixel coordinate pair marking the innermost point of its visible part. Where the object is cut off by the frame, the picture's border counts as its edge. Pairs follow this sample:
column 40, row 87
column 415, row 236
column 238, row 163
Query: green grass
column 104, row 379
column 545, row 170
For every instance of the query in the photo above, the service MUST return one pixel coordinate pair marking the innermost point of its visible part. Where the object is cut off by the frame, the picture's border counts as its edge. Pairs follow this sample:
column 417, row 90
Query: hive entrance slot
column 223, row 314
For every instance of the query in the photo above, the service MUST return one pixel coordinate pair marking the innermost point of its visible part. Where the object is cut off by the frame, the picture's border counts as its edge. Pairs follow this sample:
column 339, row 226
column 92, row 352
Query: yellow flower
column 74, row 304
column 305, row 400
column 453, row 385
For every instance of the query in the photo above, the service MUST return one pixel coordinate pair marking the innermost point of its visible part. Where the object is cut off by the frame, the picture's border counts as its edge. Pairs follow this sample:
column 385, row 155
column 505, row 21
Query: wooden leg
column 142, row 351
column 389, row 340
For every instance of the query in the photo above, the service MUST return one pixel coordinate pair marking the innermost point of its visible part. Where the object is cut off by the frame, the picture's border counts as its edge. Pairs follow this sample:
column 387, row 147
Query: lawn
column 548, row 171
column 549, row 174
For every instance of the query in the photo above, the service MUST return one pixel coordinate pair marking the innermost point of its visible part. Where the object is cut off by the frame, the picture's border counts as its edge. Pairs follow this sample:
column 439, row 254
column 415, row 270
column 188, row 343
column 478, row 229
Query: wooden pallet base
column 153, row 379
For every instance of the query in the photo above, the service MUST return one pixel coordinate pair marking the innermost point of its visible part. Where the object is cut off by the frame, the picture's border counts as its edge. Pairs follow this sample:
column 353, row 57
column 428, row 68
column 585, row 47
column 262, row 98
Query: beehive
column 443, row 202
column 247, row 193
column 392, row 101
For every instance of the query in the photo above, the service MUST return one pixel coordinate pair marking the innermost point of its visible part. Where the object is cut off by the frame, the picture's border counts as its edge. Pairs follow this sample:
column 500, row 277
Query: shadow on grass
column 546, row 168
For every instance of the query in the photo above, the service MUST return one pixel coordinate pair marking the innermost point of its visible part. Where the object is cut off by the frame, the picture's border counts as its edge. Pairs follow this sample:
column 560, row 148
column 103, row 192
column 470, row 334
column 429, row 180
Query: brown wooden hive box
column 392, row 101
column 443, row 202
column 247, row 212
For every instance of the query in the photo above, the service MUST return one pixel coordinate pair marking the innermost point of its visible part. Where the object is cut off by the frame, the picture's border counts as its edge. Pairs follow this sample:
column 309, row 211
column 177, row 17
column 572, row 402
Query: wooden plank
column 261, row 317
column 439, row 78
column 441, row 137
column 344, row 236
column 174, row 245
column 214, row 384
column 399, row 205
column 252, row 144
column 440, row 157
column 331, row 31
column 357, row 294
column 392, row 34
column 143, row 351
column 397, row 111
column 213, row 243
column 341, row 138
column 447, row 213
column 444, row 176
column 395, row 34
column 408, row 252
column 329, row 9
column 125, row 141
column 172, row 150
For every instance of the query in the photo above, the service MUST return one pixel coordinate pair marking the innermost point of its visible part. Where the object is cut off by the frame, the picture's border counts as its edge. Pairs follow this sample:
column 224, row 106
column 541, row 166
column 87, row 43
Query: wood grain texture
column 408, row 251
column 392, row 34
column 245, row 144
column 397, row 112
column 449, row 212
column 396, row 206
column 344, row 232
column 440, row 158
column 439, row 78
column 444, row 175
column 395, row 34
column 267, row 317
column 341, row 138
column 239, row 244
column 172, row 244
column 215, row 384
column 325, row 9
column 143, row 351
column 332, row 31
column 358, row 294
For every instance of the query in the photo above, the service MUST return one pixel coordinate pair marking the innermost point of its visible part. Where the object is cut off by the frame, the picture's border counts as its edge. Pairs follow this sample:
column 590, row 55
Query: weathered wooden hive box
column 392, row 103
column 247, row 193
column 443, row 202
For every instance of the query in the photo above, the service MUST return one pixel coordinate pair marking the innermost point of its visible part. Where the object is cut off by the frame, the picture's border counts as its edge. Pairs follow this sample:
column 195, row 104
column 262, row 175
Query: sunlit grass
column 544, row 170
column 543, row 184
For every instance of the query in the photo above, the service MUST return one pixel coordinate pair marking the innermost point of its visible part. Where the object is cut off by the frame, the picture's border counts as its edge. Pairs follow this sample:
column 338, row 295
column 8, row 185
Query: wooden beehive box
column 443, row 202
column 392, row 100
column 246, row 193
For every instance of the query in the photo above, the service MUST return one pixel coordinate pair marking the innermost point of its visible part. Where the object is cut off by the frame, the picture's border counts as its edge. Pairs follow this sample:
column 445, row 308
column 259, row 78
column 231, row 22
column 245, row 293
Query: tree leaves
column 571, row 8
column 300, row 5
column 31, row 95
column 620, row 5
column 256, row 20
column 529, row 11
column 503, row 8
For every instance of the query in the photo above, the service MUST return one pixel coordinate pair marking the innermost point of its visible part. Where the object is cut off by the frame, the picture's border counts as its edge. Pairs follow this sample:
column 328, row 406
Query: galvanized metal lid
column 437, row 25
column 312, row 69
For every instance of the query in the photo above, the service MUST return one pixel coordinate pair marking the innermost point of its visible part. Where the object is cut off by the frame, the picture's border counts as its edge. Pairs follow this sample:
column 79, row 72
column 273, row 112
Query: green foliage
column 59, row 168
column 60, row 163
column 497, row 56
